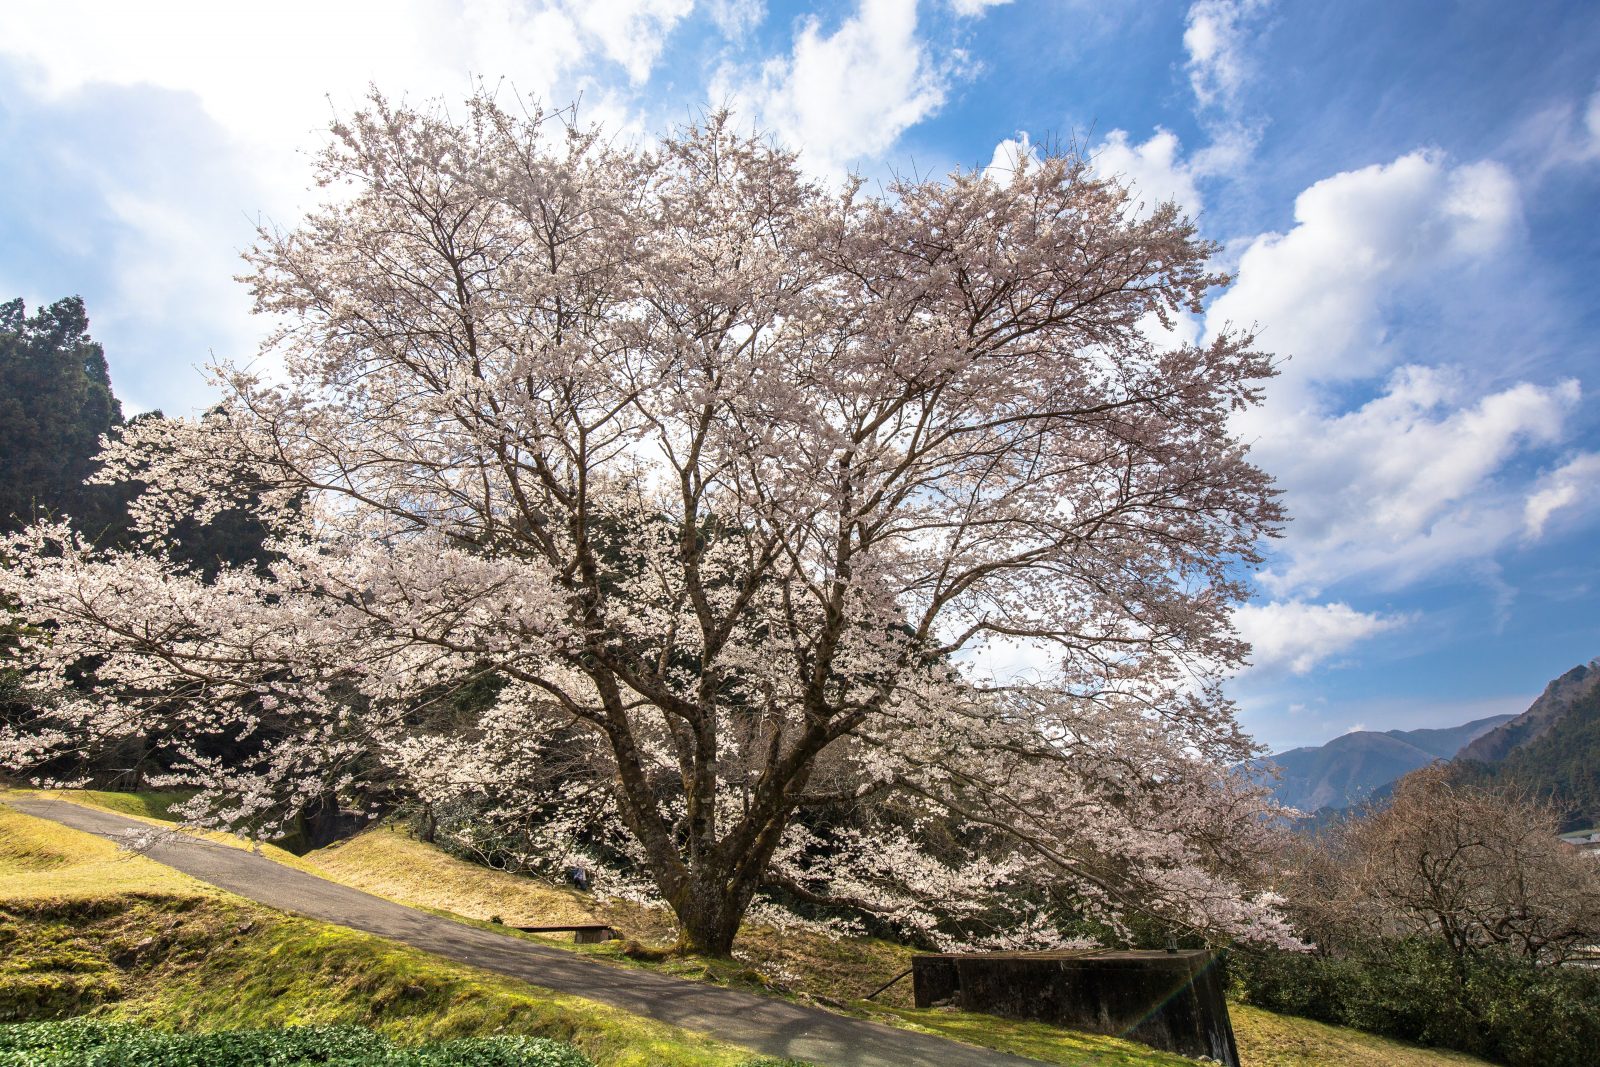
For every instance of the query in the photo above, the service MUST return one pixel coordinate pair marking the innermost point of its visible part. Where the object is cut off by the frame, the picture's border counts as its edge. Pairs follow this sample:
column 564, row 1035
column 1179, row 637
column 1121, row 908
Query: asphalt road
column 769, row 1026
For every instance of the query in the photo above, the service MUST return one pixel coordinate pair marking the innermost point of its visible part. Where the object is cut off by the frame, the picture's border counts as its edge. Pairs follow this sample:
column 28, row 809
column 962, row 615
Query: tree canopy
column 728, row 480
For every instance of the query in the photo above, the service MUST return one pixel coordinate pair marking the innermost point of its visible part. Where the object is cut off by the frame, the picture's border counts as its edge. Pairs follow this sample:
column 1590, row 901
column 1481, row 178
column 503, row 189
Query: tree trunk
column 709, row 915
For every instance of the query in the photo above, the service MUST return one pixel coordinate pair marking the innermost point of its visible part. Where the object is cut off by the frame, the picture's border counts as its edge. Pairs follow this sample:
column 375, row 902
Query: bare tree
column 1476, row 868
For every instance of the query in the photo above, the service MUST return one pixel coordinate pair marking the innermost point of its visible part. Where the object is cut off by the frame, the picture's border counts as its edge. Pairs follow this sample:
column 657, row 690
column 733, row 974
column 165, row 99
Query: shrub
column 1494, row 1005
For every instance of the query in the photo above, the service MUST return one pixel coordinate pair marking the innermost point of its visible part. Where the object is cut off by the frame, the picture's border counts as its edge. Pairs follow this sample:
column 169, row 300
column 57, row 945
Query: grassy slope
column 1286, row 1041
column 393, row 864
column 153, row 808
column 83, row 927
column 40, row 859
column 151, row 804
column 838, row 972
column 806, row 966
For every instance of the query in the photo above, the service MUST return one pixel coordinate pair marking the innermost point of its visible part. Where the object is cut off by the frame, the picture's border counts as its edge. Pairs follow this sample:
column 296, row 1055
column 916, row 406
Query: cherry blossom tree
column 728, row 485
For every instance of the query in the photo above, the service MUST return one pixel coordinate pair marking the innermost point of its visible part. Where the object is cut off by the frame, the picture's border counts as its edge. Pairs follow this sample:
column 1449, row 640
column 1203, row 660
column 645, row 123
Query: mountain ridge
column 1351, row 767
column 1548, row 709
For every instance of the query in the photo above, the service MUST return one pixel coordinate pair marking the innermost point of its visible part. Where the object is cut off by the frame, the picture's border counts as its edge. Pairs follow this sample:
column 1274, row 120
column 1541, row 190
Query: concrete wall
column 1168, row 1000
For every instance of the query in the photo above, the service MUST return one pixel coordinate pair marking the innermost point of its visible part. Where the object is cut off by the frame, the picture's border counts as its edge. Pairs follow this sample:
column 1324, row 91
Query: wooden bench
column 582, row 934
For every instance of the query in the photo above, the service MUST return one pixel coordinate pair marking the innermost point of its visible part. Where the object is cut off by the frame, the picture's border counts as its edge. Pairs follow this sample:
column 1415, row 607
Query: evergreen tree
column 55, row 404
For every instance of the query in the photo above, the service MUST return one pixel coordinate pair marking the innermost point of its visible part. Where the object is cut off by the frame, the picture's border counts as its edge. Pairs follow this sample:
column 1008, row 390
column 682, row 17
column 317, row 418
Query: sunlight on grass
column 813, row 968
column 40, row 859
column 1268, row 1040
column 152, row 808
column 86, row 927
column 1040, row 1041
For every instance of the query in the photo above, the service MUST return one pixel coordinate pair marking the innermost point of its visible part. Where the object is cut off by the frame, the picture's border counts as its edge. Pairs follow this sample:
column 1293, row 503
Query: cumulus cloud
column 1401, row 451
column 1215, row 35
column 1010, row 155
column 1155, row 169
column 1573, row 486
column 842, row 96
column 1411, row 481
column 1320, row 292
column 1296, row 636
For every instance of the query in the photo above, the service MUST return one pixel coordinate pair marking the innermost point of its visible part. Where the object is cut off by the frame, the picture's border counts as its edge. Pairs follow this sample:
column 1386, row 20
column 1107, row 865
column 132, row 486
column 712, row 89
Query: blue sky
column 1407, row 194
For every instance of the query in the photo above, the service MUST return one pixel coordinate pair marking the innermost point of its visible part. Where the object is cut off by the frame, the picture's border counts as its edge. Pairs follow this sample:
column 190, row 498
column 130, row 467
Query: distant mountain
column 1551, row 750
column 1348, row 769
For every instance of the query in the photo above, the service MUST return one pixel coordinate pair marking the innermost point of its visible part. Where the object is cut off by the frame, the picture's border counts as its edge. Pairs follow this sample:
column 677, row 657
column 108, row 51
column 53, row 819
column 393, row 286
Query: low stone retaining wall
column 1168, row 1000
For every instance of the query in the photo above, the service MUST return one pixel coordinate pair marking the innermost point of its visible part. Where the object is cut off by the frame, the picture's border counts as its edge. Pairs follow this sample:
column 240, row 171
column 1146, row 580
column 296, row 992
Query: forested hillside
column 1555, row 756
column 56, row 406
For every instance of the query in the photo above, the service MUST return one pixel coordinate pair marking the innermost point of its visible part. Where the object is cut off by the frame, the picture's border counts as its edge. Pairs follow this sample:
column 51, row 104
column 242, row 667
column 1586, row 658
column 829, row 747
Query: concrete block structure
column 1168, row 1000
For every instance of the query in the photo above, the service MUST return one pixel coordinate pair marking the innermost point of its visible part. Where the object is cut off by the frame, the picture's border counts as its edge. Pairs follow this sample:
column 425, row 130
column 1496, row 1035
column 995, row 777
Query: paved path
column 768, row 1026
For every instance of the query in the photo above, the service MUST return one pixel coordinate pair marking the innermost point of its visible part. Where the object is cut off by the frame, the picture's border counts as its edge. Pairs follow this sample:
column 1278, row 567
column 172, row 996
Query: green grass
column 1040, row 1041
column 833, row 972
column 155, row 809
column 175, row 963
column 1286, row 1041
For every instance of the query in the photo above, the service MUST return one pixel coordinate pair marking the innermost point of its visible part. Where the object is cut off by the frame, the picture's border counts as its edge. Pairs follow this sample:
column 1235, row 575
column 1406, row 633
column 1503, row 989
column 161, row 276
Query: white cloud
column 1010, row 661
column 974, row 8
column 264, row 70
column 1010, row 155
column 227, row 96
column 1564, row 134
column 1406, row 484
column 1402, row 449
column 1214, row 37
column 736, row 18
column 1154, row 169
column 1297, row 636
column 1572, row 486
column 842, row 96
column 630, row 32
column 1361, row 237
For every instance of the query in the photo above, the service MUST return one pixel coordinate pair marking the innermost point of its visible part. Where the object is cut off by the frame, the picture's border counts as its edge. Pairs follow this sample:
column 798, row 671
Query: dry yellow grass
column 390, row 863
column 129, row 806
column 40, row 860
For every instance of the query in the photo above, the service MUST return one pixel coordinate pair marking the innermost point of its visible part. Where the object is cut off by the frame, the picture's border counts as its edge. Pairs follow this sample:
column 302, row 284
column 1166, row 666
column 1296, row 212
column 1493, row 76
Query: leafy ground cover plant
column 84, row 1043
